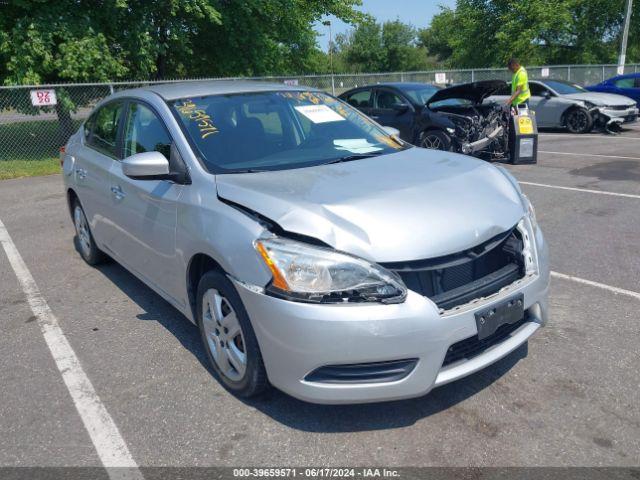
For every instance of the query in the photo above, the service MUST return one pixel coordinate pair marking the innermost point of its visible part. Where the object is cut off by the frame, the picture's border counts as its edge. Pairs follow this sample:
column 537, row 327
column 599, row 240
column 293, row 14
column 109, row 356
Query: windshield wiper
column 249, row 170
column 349, row 158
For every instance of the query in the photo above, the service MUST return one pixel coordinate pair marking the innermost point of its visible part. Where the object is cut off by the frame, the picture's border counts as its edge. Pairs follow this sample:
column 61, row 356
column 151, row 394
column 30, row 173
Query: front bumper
column 622, row 116
column 297, row 338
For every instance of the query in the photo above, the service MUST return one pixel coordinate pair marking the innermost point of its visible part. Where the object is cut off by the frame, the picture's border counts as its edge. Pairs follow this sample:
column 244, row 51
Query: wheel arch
column 199, row 264
column 72, row 196
column 569, row 109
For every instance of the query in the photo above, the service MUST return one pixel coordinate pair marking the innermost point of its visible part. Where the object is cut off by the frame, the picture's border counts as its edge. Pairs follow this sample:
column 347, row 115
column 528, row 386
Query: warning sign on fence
column 43, row 98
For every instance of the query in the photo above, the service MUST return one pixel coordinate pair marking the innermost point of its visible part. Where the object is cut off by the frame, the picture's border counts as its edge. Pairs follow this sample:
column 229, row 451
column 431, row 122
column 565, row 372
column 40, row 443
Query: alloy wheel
column 578, row 121
column 224, row 336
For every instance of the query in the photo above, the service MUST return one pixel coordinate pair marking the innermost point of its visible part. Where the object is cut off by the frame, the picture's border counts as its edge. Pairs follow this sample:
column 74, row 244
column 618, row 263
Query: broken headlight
column 310, row 273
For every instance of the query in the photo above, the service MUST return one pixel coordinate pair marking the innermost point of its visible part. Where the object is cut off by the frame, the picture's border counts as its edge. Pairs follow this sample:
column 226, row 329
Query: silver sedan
column 560, row 104
column 314, row 251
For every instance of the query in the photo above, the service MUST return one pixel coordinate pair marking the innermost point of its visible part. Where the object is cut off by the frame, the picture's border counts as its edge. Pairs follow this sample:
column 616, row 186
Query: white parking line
column 570, row 135
column 106, row 438
column 588, row 155
column 584, row 190
column 591, row 283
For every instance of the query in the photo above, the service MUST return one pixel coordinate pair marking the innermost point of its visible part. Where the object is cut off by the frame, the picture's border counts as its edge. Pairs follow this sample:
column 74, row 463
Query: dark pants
column 525, row 103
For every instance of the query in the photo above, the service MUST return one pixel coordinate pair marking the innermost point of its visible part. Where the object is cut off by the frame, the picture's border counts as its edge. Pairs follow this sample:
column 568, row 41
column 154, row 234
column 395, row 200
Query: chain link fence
column 29, row 132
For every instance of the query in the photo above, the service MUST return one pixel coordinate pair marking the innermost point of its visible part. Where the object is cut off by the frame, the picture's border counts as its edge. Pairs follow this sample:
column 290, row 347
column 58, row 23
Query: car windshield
column 420, row 94
column 564, row 88
column 278, row 130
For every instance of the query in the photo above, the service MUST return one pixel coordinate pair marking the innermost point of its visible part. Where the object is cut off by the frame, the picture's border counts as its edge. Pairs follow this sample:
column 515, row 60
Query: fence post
column 473, row 75
column 602, row 79
column 111, row 89
column 568, row 73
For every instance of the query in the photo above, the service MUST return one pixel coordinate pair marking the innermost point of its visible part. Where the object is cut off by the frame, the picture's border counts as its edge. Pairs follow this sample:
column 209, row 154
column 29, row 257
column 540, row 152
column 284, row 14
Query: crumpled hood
column 601, row 99
column 474, row 91
column 409, row 205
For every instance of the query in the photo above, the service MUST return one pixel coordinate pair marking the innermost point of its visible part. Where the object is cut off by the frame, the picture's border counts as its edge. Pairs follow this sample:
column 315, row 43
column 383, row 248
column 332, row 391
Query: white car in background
column 560, row 104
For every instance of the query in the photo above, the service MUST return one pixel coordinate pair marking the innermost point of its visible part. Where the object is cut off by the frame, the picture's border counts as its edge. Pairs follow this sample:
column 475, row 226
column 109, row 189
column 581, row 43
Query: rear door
column 94, row 160
column 144, row 211
column 387, row 113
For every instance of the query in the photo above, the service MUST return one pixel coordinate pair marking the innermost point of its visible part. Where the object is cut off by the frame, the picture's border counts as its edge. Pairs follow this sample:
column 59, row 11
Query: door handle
column 117, row 192
column 81, row 173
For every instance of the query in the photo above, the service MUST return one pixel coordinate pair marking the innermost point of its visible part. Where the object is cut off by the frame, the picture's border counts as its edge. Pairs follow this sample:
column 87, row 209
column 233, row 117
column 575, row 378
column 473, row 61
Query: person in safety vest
column 520, row 92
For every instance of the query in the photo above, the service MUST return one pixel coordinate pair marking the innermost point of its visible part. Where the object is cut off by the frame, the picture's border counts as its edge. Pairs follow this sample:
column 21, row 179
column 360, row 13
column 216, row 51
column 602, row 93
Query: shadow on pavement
column 302, row 415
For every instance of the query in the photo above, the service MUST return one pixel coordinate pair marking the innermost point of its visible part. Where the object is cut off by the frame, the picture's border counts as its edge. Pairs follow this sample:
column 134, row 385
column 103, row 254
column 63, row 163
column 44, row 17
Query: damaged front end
column 604, row 120
column 481, row 130
column 483, row 133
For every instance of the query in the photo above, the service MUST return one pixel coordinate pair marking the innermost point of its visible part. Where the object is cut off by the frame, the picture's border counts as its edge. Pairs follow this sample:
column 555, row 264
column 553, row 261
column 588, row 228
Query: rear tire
column 85, row 243
column 578, row 120
column 228, row 337
column 435, row 140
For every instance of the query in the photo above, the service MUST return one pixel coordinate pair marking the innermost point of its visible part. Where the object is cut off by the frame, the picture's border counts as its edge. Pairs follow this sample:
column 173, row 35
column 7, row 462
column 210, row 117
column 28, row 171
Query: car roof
column 176, row 90
column 403, row 84
column 398, row 85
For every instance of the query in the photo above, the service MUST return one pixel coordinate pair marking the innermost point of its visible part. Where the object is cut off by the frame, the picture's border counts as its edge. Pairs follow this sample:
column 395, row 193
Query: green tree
column 401, row 52
column 265, row 37
column 42, row 41
column 482, row 33
column 372, row 47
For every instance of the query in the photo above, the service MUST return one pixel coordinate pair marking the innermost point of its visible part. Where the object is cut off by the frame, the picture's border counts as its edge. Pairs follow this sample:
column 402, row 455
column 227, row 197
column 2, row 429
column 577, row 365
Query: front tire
column 228, row 337
column 578, row 120
column 85, row 243
column 435, row 140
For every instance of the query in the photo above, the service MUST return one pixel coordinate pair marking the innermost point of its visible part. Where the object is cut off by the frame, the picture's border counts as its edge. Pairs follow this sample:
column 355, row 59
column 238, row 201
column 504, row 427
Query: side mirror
column 394, row 132
column 146, row 166
column 546, row 94
column 400, row 107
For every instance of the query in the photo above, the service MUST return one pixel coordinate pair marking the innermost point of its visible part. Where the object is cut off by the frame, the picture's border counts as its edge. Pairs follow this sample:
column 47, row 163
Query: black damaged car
column 453, row 118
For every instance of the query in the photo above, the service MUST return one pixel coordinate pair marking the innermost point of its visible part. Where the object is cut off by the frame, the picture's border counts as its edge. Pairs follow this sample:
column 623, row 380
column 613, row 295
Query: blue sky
column 415, row 12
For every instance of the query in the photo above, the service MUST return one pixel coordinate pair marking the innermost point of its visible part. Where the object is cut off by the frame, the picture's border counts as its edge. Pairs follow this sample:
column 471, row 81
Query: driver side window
column 385, row 99
column 537, row 90
column 144, row 132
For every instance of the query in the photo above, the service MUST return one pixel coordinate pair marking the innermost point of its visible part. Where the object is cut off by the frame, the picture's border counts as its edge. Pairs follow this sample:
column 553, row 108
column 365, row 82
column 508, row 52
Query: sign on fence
column 544, row 72
column 43, row 98
column 291, row 83
column 441, row 78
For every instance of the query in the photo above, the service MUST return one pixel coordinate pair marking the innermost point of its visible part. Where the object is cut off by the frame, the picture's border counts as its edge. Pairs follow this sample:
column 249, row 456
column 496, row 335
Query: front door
column 144, row 211
column 547, row 105
column 393, row 110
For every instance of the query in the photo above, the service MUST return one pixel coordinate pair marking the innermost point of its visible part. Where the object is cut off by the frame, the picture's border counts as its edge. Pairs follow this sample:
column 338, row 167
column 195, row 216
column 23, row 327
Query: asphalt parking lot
column 569, row 397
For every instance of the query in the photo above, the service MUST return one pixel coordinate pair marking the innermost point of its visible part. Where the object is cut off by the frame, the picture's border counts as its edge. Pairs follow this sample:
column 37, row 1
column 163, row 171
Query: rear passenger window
column 88, row 126
column 104, row 133
column 360, row 99
column 144, row 132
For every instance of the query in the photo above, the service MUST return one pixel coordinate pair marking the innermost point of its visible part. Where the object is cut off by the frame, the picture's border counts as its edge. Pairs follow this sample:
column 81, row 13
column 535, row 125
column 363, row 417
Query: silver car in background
column 314, row 251
column 561, row 104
